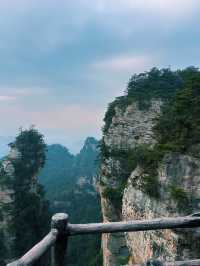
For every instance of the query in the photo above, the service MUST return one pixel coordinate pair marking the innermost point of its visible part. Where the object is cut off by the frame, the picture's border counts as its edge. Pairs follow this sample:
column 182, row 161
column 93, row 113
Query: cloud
column 72, row 120
column 126, row 63
column 6, row 98
column 24, row 92
column 169, row 8
column 63, row 61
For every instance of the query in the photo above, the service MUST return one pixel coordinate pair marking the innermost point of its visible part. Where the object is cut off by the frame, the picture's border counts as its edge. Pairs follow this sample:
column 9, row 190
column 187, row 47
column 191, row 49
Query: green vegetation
column 158, row 249
column 104, row 151
column 121, row 102
column 180, row 196
column 97, row 259
column 148, row 159
column 3, row 249
column 30, row 216
column 123, row 260
column 61, row 179
column 57, row 174
column 28, row 211
column 154, row 84
column 177, row 129
column 114, row 195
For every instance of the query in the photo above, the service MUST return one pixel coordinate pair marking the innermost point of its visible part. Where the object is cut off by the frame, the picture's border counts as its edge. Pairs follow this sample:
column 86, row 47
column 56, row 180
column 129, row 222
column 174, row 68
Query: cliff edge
column 150, row 165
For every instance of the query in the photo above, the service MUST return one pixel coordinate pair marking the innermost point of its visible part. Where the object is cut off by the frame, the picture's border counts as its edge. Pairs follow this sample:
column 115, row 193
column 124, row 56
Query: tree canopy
column 30, row 216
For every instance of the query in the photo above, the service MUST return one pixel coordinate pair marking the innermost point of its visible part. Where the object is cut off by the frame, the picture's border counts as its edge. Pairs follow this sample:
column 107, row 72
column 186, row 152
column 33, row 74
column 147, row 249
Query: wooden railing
column 61, row 230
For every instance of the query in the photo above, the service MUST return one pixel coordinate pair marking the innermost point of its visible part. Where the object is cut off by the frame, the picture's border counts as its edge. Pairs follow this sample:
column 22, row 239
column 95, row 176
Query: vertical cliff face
column 23, row 209
column 150, row 165
column 6, row 201
column 179, row 178
column 131, row 126
column 128, row 128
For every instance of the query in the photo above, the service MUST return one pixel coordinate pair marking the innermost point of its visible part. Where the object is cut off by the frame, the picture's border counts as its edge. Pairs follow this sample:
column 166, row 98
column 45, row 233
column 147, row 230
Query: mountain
column 85, row 161
column 150, row 165
column 57, row 174
column 70, row 184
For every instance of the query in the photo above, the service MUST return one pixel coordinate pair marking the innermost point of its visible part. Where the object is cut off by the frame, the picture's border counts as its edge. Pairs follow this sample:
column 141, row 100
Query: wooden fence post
column 58, row 256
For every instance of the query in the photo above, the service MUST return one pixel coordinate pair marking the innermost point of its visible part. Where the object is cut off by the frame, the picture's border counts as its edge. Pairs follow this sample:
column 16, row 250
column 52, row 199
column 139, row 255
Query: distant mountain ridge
column 57, row 171
column 70, row 184
column 63, row 169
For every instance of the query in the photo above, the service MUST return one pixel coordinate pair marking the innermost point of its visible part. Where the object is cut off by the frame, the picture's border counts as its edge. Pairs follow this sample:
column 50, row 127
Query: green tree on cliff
column 30, row 214
column 178, row 127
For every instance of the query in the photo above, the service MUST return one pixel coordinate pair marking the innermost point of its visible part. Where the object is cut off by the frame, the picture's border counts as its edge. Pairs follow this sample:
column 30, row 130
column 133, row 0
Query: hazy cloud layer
column 63, row 61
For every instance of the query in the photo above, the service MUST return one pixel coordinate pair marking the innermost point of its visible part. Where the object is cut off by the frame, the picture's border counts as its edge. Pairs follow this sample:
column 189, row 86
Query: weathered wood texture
column 56, row 238
column 134, row 226
column 61, row 229
column 58, row 253
column 37, row 251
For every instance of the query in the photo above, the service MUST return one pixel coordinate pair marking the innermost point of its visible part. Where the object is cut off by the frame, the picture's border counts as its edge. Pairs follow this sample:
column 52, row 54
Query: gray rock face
column 179, row 189
column 7, row 171
column 6, row 199
column 175, row 171
column 128, row 128
column 132, row 127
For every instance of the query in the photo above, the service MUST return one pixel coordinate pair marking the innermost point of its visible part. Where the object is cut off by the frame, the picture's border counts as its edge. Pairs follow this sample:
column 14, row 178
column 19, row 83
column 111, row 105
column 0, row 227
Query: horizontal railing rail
column 38, row 250
column 61, row 230
column 134, row 226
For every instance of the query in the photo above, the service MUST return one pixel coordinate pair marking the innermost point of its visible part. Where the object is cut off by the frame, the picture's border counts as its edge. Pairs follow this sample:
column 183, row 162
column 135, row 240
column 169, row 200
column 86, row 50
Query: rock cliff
column 22, row 205
column 179, row 178
column 129, row 127
column 6, row 199
column 153, row 184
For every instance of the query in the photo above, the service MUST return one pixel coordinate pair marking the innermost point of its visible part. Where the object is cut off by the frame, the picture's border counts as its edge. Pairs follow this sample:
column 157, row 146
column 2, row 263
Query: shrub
column 179, row 195
column 114, row 195
column 148, row 159
column 154, row 84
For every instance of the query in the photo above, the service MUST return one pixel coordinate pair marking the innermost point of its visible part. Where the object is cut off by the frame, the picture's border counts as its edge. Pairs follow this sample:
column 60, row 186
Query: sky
column 63, row 61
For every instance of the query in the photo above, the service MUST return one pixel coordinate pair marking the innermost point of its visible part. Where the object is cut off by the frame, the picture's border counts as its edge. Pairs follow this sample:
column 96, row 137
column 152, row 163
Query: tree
column 30, row 216
column 154, row 84
column 178, row 127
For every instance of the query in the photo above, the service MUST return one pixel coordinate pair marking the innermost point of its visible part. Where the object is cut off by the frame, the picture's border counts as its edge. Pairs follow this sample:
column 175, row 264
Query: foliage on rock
column 176, row 129
column 28, row 210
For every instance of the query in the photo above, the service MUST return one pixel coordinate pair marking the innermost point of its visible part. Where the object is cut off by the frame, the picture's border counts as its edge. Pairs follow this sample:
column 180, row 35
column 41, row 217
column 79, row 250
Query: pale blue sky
column 62, row 62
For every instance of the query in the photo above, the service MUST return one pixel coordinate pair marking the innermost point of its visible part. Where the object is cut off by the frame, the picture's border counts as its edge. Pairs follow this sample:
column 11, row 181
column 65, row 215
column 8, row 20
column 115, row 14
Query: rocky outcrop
column 176, row 172
column 129, row 127
column 178, row 182
column 132, row 126
column 115, row 251
column 6, row 198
